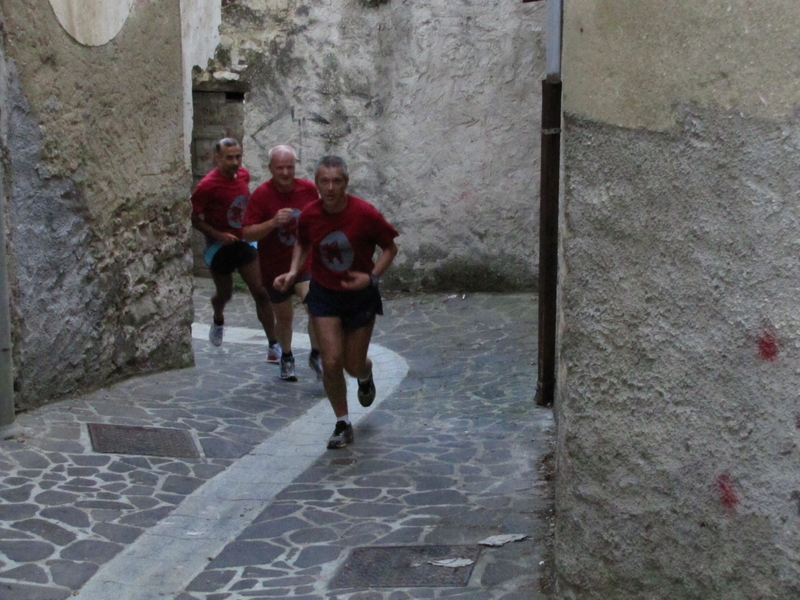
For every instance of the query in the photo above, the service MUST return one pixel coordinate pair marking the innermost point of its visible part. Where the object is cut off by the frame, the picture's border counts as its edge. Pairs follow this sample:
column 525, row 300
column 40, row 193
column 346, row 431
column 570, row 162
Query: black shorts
column 356, row 309
column 232, row 256
column 276, row 296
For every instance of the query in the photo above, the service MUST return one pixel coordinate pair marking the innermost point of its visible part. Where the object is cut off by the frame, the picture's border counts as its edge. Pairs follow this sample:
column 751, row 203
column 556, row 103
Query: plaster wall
column 97, row 217
column 200, row 22
column 435, row 106
column 677, row 408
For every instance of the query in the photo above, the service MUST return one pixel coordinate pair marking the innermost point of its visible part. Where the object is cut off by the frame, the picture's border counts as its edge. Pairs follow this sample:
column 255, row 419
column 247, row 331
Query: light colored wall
column 631, row 63
column 97, row 217
column 677, row 456
column 200, row 21
column 435, row 106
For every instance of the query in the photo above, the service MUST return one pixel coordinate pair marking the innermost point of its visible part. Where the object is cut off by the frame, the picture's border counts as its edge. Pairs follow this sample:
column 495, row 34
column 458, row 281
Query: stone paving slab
column 450, row 457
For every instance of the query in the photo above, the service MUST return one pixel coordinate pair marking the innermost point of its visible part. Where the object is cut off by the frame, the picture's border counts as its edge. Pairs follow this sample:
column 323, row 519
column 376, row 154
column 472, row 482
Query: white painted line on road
column 168, row 556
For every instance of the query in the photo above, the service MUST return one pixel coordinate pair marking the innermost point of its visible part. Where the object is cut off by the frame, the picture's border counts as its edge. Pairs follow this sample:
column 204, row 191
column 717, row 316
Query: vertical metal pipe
column 553, row 42
column 548, row 239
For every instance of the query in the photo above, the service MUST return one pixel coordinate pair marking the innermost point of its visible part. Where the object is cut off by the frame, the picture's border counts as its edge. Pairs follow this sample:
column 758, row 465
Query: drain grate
column 404, row 566
column 148, row 441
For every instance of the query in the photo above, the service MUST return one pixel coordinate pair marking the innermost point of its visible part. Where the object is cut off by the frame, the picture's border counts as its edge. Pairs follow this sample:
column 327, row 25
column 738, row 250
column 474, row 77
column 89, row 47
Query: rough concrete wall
column 435, row 105
column 677, row 409
column 97, row 214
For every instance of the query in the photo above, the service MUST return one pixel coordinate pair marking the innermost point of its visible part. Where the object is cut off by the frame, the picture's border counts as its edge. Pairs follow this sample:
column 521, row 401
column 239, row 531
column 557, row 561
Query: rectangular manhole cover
column 147, row 441
column 404, row 566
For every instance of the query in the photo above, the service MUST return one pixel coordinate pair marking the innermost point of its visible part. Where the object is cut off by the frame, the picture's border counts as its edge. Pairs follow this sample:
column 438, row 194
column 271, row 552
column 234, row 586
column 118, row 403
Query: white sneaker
column 215, row 334
column 287, row 369
column 274, row 353
column 316, row 366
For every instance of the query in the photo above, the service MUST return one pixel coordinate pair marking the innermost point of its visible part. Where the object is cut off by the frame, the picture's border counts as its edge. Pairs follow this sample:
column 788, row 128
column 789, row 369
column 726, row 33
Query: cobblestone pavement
column 451, row 455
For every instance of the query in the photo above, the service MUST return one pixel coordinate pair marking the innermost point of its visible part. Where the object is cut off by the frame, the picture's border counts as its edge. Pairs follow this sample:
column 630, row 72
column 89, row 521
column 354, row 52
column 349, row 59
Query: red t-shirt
column 222, row 201
column 275, row 250
column 344, row 241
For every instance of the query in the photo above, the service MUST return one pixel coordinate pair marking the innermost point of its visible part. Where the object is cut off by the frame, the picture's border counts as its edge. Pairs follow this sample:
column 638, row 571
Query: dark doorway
column 217, row 114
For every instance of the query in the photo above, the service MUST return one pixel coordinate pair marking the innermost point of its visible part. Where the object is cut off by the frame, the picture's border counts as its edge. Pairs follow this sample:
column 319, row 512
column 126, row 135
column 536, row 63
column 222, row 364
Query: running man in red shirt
column 218, row 205
column 271, row 220
column 341, row 233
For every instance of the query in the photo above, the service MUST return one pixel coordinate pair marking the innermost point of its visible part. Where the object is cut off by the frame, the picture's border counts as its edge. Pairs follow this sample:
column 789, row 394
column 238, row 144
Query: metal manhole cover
column 148, row 441
column 404, row 566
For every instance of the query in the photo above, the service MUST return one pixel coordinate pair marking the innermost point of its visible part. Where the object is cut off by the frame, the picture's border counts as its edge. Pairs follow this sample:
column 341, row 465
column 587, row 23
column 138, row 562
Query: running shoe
column 316, row 365
column 366, row 391
column 274, row 353
column 287, row 369
column 215, row 334
column 342, row 435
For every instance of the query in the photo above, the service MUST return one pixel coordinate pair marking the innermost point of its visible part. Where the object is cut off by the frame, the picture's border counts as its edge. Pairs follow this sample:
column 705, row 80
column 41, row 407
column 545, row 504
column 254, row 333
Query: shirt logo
column 287, row 233
column 337, row 253
column 236, row 212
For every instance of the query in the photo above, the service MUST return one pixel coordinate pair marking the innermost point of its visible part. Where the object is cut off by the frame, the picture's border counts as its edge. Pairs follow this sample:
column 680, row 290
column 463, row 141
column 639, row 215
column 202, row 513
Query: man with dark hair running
column 218, row 205
column 342, row 232
column 271, row 220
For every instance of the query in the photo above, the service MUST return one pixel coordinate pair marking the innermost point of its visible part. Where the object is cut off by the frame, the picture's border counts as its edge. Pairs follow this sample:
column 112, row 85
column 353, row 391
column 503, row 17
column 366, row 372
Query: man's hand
column 283, row 282
column 226, row 238
column 282, row 217
column 356, row 280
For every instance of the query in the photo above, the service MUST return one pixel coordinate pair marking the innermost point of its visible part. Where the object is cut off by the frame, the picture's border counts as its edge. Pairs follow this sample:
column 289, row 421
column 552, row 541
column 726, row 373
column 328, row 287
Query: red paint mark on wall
column 767, row 346
column 726, row 492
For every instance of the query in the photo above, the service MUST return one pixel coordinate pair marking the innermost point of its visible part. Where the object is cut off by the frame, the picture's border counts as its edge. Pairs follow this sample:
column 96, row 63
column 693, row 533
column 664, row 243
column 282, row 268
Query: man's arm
column 360, row 281
column 258, row 231
column 283, row 282
column 223, row 237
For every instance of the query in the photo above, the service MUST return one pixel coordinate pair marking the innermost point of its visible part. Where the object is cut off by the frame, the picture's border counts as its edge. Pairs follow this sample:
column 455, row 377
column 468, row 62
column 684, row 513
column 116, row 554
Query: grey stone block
column 71, row 574
column 30, row 572
column 317, row 555
column 239, row 554
column 176, row 484
column 91, row 551
column 25, row 551
column 210, row 580
column 47, row 530
column 67, row 514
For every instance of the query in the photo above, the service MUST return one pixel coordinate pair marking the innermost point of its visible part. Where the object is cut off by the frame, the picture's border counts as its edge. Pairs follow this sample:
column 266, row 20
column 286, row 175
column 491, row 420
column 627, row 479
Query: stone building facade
column 677, row 403
column 435, row 106
column 94, row 193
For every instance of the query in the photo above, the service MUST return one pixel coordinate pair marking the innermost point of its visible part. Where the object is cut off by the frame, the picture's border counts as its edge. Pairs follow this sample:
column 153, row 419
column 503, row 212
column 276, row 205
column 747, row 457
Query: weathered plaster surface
column 633, row 63
column 434, row 105
column 677, row 405
column 97, row 215
column 200, row 21
column 678, row 414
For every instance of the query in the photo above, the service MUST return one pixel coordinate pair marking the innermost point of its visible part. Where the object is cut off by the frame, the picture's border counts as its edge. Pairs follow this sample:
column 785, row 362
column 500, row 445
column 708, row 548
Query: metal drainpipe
column 549, row 208
column 6, row 363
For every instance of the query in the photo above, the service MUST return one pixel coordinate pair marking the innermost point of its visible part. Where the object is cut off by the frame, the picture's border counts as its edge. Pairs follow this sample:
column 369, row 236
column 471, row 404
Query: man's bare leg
column 301, row 289
column 330, row 335
column 284, row 315
column 252, row 277
column 223, row 291
column 356, row 346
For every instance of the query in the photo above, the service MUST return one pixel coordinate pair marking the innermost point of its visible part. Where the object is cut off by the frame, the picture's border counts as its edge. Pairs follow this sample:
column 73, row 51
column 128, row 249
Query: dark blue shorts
column 276, row 296
column 356, row 309
column 232, row 256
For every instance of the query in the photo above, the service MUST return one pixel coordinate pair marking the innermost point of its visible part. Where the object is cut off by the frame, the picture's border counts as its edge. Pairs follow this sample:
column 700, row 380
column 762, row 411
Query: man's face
column 229, row 160
column 282, row 169
column 332, row 185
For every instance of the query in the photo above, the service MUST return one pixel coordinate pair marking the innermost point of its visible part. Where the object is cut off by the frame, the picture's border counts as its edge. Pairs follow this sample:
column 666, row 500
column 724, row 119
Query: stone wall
column 97, row 216
column 435, row 106
column 677, row 406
